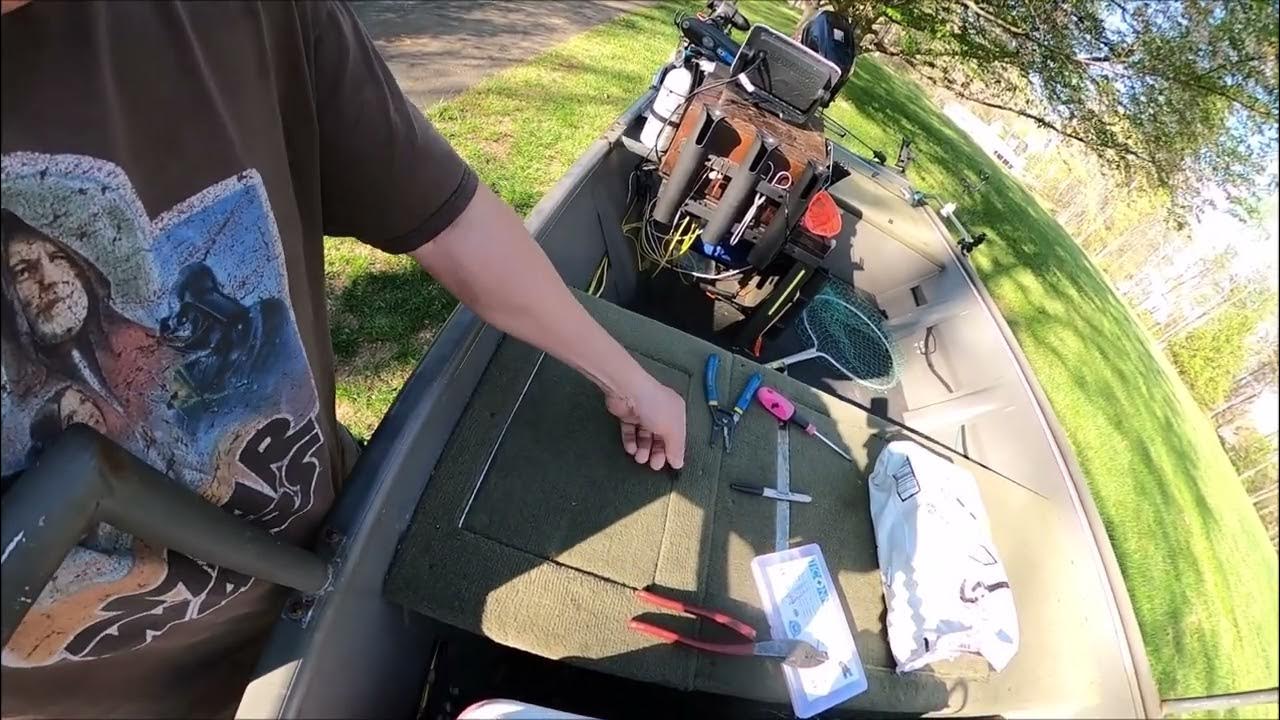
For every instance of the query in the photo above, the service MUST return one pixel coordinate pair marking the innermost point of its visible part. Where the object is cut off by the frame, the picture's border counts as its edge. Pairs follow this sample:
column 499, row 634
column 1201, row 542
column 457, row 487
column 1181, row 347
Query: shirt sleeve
column 388, row 178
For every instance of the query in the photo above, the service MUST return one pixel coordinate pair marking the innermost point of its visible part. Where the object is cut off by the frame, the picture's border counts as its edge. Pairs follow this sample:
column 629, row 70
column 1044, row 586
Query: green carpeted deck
column 536, row 528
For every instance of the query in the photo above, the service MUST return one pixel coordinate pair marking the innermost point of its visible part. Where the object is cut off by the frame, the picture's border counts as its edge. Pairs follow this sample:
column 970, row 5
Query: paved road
column 440, row 48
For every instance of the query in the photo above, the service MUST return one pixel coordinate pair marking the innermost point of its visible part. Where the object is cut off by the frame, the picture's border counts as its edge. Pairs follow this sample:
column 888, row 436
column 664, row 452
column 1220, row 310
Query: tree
column 1243, row 297
column 1210, row 357
column 1254, row 457
column 1261, row 375
column 1182, row 93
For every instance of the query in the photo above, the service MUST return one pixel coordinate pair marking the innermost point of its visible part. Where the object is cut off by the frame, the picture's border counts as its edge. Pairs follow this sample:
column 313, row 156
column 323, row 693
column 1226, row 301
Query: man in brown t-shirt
column 169, row 174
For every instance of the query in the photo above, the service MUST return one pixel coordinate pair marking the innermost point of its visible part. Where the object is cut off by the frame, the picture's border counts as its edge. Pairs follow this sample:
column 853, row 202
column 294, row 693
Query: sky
column 1256, row 246
column 1265, row 412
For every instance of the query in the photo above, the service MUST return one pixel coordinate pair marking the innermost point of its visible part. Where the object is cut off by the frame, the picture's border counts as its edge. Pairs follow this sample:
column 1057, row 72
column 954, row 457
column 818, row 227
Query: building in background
column 1004, row 144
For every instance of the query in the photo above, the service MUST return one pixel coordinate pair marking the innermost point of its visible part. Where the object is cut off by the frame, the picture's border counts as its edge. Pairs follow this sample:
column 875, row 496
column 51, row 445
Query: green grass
column 1198, row 565
column 1196, row 560
column 383, row 313
column 520, row 130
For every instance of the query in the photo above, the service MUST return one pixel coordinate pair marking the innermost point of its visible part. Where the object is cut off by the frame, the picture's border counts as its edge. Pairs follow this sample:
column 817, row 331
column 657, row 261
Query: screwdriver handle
column 780, row 407
column 777, row 405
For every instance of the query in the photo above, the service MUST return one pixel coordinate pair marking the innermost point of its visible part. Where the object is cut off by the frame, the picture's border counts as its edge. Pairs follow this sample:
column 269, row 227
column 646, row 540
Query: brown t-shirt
column 169, row 173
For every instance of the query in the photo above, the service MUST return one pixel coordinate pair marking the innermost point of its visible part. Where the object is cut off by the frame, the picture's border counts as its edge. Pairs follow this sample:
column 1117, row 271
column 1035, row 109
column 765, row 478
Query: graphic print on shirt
column 173, row 337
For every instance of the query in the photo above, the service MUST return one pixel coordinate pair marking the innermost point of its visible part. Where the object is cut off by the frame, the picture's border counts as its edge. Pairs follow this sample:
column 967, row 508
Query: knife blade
column 771, row 493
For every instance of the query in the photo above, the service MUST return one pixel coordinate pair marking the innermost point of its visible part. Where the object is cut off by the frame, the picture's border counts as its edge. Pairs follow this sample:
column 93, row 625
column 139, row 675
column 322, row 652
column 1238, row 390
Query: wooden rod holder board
column 797, row 145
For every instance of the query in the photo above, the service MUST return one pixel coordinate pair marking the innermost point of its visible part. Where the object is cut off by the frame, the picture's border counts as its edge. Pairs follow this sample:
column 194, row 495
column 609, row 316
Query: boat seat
column 535, row 530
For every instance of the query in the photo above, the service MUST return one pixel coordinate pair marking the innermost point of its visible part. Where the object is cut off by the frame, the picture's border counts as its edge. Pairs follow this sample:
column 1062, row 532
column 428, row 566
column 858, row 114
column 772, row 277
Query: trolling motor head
column 724, row 14
column 708, row 39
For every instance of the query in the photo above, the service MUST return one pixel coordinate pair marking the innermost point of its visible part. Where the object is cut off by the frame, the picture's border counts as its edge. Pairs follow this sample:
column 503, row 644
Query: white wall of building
column 987, row 136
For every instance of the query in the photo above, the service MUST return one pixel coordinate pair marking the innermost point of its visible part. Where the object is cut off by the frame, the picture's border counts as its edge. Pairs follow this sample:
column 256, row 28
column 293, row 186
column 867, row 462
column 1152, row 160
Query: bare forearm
column 488, row 261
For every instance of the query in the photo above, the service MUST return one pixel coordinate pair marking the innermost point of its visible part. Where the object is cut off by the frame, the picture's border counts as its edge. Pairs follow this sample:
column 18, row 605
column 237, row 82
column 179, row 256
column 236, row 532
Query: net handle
column 801, row 356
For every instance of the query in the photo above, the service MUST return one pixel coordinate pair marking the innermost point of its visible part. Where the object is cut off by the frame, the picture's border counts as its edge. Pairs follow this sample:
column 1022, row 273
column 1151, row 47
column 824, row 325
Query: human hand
column 653, row 423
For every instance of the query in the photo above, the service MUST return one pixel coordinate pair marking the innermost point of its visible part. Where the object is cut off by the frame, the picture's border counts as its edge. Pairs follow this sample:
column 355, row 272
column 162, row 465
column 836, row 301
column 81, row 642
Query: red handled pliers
column 796, row 653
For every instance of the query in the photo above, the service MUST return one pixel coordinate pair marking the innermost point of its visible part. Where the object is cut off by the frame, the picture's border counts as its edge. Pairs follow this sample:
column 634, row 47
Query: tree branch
column 1216, row 92
column 1003, row 24
column 1044, row 122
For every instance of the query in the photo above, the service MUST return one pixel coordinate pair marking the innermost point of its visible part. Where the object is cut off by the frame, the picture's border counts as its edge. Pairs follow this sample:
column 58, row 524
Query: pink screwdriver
column 780, row 407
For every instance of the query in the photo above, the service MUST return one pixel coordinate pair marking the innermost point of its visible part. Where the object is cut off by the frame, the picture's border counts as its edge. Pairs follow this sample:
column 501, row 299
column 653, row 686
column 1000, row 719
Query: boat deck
column 972, row 393
column 963, row 385
column 534, row 532
column 966, row 388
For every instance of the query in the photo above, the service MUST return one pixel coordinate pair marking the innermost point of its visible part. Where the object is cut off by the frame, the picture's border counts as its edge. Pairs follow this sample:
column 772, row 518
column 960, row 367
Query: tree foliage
column 1122, row 225
column 1211, row 357
column 1182, row 92
column 1254, row 457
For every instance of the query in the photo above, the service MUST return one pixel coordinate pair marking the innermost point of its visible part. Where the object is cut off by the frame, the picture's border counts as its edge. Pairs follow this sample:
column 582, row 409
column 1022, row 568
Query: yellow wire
column 688, row 241
column 668, row 253
column 601, row 269
column 675, row 238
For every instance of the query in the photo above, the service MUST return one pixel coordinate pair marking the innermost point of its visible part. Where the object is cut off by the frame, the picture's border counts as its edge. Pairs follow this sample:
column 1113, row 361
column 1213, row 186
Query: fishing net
column 846, row 330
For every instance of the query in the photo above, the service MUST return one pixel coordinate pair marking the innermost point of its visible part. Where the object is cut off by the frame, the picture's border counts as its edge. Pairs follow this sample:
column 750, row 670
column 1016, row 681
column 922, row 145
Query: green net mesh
column 847, row 331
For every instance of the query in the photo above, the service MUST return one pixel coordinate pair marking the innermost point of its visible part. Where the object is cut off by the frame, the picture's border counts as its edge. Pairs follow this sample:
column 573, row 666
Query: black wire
column 930, row 346
column 847, row 131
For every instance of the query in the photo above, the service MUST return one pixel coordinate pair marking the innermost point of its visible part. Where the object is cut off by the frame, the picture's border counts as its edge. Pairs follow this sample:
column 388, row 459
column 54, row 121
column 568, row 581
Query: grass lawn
column 1197, row 562
column 1198, row 565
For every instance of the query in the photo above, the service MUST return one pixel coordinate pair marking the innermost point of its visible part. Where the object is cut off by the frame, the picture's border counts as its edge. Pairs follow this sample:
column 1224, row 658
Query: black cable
column 877, row 154
column 928, row 347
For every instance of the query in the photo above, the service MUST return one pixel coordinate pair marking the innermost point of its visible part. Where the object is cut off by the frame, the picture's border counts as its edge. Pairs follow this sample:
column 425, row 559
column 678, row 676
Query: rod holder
column 741, row 187
column 693, row 156
column 787, row 217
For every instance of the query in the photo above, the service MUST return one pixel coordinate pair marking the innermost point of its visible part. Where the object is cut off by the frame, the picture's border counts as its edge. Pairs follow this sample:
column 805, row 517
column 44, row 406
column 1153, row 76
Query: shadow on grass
column 1184, row 534
column 520, row 130
column 384, row 312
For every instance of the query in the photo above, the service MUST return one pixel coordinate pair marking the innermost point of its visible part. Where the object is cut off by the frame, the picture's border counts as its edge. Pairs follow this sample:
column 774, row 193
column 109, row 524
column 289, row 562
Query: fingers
column 644, row 444
column 656, row 436
column 673, row 443
column 658, row 455
column 629, row 438
column 646, row 447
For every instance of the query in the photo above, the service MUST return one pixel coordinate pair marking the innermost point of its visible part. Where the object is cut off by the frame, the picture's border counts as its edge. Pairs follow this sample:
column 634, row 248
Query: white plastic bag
column 946, row 590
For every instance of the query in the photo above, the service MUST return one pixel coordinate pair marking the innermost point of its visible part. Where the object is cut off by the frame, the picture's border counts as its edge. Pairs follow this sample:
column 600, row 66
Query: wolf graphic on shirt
column 175, row 339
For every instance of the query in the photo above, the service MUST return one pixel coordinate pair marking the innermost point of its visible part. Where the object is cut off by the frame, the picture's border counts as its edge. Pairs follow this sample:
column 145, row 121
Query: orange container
column 822, row 217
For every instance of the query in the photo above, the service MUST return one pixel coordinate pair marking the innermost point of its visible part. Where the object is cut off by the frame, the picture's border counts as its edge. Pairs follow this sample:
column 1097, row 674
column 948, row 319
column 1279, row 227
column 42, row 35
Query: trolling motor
column 708, row 40
column 830, row 35
column 708, row 34
column 724, row 14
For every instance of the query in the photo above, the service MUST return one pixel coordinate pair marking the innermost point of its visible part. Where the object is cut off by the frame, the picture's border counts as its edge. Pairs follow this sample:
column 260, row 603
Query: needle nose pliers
column 725, row 421
column 796, row 653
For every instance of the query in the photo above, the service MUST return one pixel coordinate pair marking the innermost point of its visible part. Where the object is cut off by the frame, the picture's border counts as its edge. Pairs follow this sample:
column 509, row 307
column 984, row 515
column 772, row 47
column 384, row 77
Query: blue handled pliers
column 726, row 421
